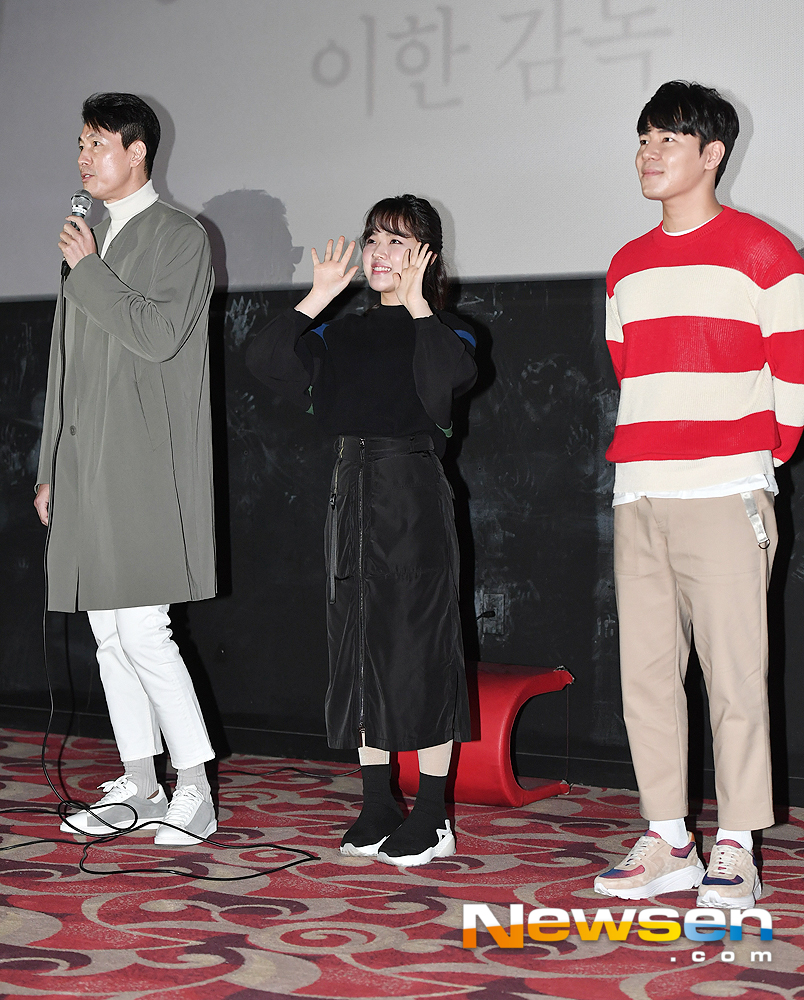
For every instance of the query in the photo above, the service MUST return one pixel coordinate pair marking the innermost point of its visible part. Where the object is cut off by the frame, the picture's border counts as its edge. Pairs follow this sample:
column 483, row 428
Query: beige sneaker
column 652, row 867
column 731, row 880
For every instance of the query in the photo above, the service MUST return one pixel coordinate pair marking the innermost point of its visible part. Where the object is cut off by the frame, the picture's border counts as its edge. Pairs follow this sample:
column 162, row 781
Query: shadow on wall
column 252, row 249
column 251, row 243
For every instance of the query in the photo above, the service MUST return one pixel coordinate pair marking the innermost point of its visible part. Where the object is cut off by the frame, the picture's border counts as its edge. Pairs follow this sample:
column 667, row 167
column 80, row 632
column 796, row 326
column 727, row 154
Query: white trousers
column 147, row 687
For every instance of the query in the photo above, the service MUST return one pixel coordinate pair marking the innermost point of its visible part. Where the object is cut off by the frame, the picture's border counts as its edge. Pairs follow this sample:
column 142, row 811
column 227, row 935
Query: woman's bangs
column 387, row 221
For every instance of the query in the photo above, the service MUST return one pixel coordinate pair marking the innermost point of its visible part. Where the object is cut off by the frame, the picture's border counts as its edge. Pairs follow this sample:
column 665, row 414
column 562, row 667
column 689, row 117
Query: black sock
column 380, row 814
column 429, row 813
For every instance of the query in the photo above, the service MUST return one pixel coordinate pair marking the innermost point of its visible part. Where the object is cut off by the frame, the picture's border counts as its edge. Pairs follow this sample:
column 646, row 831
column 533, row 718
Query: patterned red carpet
column 344, row 927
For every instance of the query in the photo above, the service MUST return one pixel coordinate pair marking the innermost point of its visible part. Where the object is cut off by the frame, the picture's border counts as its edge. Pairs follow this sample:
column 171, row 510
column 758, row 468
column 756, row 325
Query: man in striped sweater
column 705, row 326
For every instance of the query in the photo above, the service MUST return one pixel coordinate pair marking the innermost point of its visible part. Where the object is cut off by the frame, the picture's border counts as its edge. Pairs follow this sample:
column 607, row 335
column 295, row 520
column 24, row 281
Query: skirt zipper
column 361, row 620
column 333, row 528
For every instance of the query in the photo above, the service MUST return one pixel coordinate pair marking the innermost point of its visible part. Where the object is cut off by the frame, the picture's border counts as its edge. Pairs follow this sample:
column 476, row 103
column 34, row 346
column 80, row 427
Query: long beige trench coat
column 131, row 501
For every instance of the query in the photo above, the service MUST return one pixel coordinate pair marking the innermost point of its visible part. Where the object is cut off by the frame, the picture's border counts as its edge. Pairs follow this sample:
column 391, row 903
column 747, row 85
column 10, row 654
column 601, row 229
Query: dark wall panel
column 533, row 506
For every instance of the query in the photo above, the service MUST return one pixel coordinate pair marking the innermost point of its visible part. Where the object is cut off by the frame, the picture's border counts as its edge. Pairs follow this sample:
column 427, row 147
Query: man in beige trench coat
column 125, row 472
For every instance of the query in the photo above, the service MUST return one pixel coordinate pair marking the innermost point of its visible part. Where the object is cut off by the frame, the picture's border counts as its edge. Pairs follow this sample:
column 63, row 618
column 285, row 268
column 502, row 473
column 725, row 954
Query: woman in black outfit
column 382, row 384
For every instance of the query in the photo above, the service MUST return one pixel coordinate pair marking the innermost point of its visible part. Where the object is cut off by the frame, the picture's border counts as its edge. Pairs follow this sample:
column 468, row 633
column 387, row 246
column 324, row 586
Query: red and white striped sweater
column 706, row 334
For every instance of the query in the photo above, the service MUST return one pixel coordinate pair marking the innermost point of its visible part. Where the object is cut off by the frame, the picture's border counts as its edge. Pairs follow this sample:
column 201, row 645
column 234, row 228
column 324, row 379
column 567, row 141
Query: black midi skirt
column 396, row 668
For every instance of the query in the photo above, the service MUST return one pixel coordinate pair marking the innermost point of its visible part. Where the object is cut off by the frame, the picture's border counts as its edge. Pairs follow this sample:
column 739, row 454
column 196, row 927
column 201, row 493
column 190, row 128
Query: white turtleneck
column 124, row 209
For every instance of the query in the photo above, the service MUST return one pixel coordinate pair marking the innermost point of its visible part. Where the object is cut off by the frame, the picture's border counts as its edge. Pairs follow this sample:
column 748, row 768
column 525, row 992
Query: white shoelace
column 637, row 852
column 727, row 860
column 119, row 790
column 183, row 805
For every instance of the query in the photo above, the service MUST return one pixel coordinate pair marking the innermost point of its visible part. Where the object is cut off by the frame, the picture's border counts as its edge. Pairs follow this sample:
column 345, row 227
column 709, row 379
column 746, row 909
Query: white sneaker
column 192, row 814
column 109, row 815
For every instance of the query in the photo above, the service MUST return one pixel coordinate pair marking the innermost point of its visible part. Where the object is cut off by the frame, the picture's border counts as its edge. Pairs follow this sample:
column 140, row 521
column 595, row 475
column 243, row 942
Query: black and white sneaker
column 370, row 831
column 404, row 854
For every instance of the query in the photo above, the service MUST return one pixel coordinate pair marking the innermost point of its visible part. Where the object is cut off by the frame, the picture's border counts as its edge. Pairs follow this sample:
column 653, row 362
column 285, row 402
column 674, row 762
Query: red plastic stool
column 483, row 772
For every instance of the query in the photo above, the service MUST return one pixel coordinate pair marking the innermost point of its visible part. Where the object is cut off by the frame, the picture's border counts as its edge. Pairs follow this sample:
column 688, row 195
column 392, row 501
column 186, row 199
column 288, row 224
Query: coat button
column 72, row 428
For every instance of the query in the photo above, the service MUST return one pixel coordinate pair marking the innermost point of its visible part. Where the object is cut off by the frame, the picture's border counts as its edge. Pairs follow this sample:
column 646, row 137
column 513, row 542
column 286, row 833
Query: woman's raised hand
column 330, row 276
column 408, row 284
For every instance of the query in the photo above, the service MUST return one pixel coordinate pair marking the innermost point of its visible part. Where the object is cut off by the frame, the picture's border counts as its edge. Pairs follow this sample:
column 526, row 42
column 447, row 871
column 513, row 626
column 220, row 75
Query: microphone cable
column 66, row 800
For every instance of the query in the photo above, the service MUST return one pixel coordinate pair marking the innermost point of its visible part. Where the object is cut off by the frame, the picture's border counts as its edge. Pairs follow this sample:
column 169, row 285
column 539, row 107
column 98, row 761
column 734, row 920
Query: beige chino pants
column 679, row 566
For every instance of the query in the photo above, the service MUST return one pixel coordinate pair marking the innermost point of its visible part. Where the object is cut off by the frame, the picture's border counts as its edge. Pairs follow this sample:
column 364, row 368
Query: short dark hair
column 407, row 215
column 693, row 109
column 130, row 116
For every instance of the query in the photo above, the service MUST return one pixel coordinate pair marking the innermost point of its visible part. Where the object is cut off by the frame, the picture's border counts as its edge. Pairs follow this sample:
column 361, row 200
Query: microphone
column 80, row 204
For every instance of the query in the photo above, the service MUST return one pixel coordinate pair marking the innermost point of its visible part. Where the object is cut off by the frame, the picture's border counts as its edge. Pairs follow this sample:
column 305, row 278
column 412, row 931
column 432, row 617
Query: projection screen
column 284, row 121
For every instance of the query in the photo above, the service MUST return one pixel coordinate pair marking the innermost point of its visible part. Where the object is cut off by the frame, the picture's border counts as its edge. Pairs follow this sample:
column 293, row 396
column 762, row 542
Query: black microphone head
column 81, row 203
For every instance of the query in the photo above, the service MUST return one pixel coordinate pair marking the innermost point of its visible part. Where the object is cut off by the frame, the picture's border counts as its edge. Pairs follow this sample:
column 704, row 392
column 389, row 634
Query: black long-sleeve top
column 381, row 374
